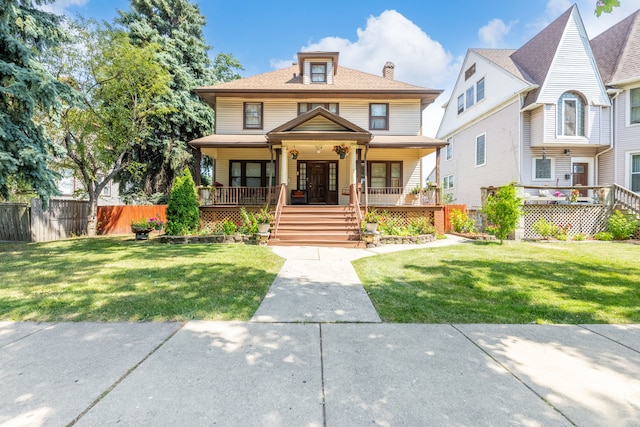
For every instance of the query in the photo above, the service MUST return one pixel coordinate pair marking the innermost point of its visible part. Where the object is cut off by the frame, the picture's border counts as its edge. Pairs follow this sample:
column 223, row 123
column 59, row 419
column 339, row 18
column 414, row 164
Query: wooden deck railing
column 354, row 198
column 626, row 199
column 237, row 196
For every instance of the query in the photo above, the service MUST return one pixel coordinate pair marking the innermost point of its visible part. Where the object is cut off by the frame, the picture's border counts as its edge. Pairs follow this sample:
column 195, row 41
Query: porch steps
column 317, row 225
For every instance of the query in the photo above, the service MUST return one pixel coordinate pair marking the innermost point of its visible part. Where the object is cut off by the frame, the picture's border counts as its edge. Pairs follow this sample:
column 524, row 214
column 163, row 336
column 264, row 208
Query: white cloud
column 418, row 59
column 59, row 7
column 492, row 34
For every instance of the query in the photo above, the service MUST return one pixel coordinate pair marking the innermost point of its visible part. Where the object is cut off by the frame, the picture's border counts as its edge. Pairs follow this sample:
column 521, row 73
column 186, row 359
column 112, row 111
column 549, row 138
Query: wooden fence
column 15, row 222
column 24, row 222
column 447, row 215
column 117, row 219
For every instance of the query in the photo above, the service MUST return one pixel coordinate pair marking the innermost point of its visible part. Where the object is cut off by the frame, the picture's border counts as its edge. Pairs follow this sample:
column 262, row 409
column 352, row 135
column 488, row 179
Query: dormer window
column 318, row 72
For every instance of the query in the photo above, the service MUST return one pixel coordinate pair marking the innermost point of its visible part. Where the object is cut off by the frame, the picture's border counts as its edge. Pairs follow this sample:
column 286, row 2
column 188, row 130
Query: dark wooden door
column 318, row 181
column 581, row 176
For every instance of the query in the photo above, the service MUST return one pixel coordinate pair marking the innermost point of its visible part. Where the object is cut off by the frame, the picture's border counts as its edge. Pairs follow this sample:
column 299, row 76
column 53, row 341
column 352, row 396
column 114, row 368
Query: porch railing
column 354, row 195
column 282, row 201
column 398, row 196
column 237, row 196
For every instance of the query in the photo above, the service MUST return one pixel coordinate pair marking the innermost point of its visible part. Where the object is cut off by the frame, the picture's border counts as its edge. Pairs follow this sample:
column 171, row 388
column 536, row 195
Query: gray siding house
column 542, row 114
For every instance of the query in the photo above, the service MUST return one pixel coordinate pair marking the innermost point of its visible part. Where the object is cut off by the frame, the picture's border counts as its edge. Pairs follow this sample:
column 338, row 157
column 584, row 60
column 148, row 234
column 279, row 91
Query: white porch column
column 283, row 165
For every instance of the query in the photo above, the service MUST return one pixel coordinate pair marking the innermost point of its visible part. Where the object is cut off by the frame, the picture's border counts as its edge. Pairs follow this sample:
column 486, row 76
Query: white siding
column 573, row 68
column 536, row 126
column 627, row 139
column 502, row 150
column 499, row 87
column 404, row 115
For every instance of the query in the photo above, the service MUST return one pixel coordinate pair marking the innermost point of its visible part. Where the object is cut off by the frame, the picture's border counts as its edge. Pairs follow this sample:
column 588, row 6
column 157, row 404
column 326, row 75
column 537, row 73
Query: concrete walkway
column 319, row 284
column 306, row 372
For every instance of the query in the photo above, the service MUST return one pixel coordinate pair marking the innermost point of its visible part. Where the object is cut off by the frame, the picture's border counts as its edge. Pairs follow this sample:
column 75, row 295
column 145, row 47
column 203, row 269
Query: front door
column 318, row 182
column 581, row 176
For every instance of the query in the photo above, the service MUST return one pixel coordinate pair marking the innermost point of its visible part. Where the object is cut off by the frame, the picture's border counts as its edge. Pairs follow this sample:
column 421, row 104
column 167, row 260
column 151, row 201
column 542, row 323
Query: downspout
column 612, row 122
column 270, row 175
column 366, row 180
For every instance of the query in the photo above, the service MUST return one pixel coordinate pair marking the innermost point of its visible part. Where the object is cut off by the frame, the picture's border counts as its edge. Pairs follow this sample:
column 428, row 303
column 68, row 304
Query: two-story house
column 617, row 52
column 285, row 129
column 539, row 115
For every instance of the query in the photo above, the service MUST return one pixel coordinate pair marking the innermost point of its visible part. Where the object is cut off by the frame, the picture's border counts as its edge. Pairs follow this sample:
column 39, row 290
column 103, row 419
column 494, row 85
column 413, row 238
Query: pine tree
column 28, row 93
column 176, row 26
column 183, row 213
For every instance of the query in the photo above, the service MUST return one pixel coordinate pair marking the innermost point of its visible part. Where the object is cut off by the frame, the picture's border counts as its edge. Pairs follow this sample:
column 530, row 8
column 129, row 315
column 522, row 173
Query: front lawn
column 119, row 279
column 587, row 282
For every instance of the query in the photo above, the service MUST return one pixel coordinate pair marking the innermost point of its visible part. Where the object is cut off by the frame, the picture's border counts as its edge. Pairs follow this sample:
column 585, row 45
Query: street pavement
column 326, row 363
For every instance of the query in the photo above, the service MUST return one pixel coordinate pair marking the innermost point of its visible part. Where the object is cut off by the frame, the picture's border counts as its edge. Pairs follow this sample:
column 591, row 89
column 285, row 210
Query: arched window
column 571, row 113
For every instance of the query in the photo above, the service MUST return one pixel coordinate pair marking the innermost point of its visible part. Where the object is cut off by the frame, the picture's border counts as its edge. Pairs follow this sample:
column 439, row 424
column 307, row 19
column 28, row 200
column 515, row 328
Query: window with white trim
column 543, row 169
column 480, row 90
column 634, row 179
column 481, row 150
column 461, row 103
column 447, row 182
column 471, row 98
column 634, row 106
column 571, row 114
column 449, row 149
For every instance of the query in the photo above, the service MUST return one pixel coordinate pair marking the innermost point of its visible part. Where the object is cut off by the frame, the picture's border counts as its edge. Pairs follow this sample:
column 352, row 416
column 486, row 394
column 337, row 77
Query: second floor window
column 303, row 107
column 634, row 107
column 460, row 104
column 480, row 90
column 319, row 72
column 470, row 97
column 253, row 115
column 379, row 116
column 571, row 115
column 449, row 149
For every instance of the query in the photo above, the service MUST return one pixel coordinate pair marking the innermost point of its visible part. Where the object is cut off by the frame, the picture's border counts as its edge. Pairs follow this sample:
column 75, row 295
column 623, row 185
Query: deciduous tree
column 116, row 90
column 176, row 26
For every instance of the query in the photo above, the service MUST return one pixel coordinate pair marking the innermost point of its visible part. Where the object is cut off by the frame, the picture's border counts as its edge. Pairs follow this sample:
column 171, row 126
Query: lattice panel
column 405, row 216
column 587, row 219
column 212, row 219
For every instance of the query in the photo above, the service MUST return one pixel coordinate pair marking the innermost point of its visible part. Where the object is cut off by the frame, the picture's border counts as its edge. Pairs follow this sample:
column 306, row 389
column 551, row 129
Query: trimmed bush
column 622, row 226
column 183, row 214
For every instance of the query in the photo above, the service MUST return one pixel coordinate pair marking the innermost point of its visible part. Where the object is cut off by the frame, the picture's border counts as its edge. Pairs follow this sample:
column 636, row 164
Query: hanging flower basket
column 342, row 150
column 294, row 153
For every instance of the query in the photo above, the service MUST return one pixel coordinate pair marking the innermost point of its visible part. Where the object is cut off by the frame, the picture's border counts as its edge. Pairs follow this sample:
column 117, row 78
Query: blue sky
column 426, row 40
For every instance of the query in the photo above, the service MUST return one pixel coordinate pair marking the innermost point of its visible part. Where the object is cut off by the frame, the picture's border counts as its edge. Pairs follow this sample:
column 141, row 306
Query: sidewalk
column 289, row 367
column 264, row 374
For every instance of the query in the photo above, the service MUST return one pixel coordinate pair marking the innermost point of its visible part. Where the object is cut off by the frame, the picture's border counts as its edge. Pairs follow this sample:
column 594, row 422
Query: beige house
column 277, row 136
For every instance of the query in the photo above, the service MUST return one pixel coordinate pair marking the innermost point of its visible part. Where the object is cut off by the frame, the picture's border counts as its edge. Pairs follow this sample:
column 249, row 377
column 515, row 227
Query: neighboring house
column 617, row 52
column 538, row 115
column 280, row 128
column 71, row 188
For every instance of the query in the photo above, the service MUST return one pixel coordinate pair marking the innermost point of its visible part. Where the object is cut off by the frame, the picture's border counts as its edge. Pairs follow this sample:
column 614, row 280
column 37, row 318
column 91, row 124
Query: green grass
column 590, row 282
column 119, row 279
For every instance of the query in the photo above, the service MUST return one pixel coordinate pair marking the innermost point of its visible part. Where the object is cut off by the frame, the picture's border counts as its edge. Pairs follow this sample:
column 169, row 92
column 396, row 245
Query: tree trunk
column 92, row 216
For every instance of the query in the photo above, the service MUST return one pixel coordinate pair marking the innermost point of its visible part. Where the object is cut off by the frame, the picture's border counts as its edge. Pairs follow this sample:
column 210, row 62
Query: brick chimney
column 387, row 70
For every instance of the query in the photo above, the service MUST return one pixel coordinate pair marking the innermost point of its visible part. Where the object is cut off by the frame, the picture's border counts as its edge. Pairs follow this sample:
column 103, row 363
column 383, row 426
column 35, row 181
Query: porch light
column 567, row 151
column 318, row 149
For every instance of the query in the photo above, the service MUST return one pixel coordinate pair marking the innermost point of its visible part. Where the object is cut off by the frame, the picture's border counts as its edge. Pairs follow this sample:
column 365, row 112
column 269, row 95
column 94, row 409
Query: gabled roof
column 617, row 50
column 535, row 56
column 331, row 127
column 347, row 83
column 502, row 58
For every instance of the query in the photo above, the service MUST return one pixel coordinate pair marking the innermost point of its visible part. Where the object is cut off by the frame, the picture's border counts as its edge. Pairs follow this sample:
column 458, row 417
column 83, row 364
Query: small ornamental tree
column 503, row 211
column 183, row 214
